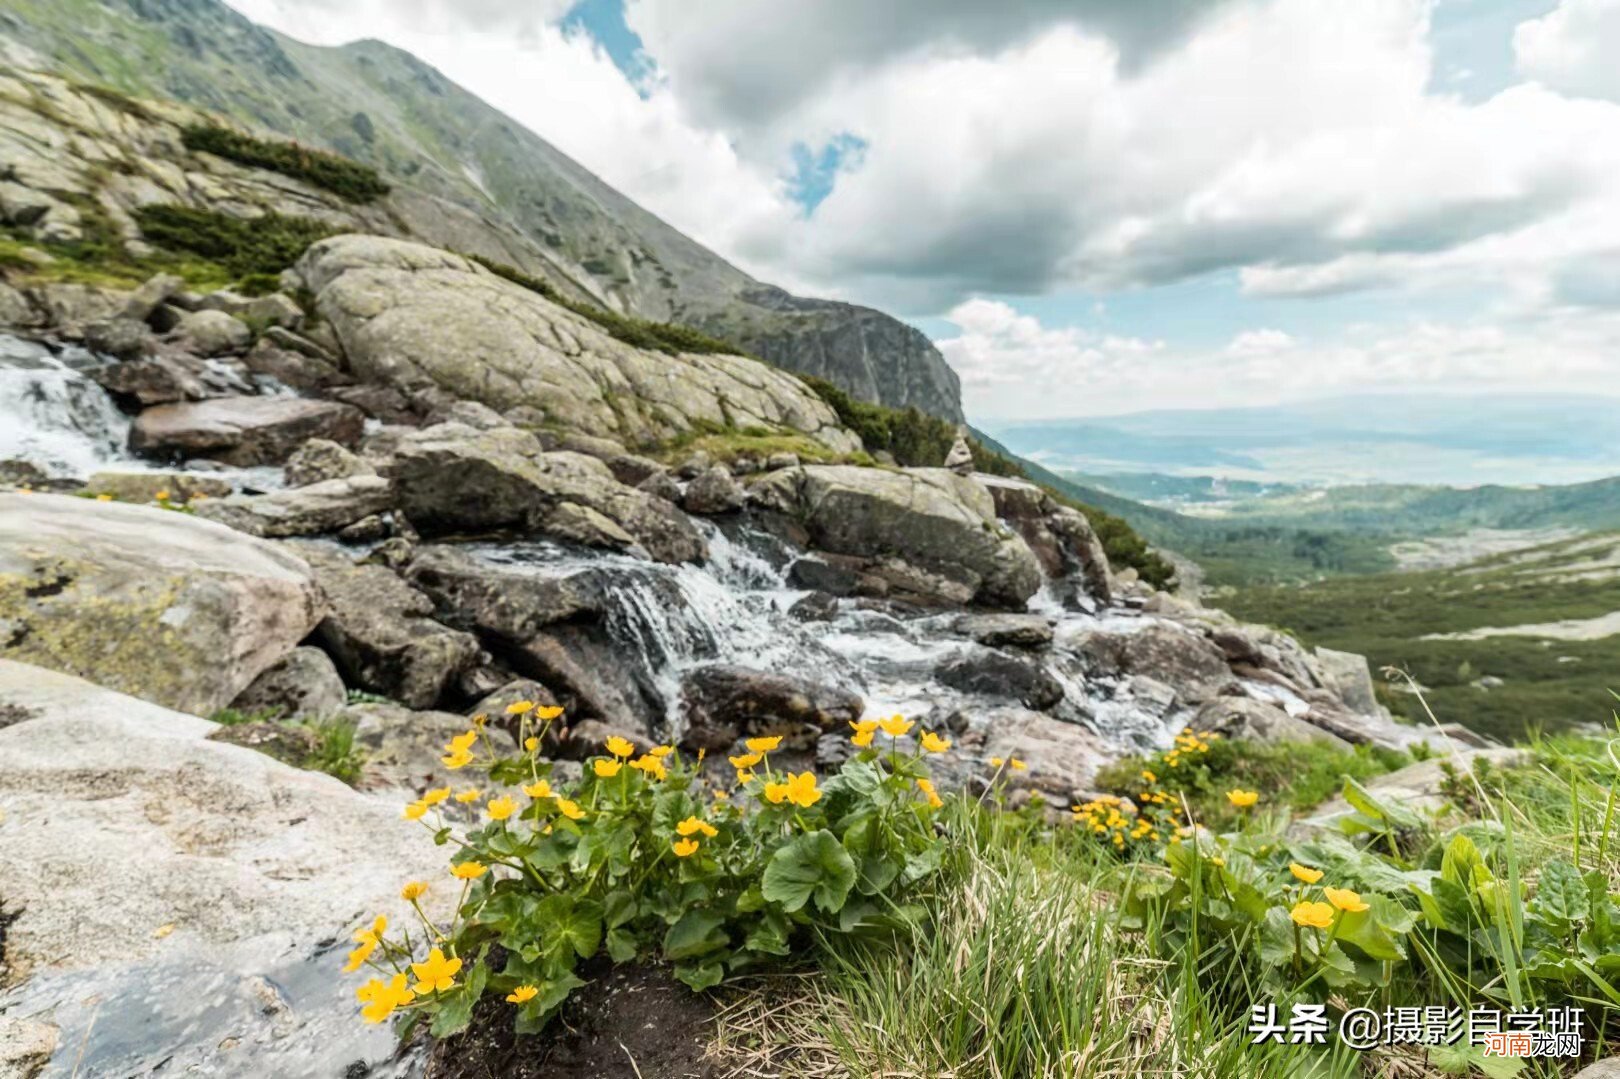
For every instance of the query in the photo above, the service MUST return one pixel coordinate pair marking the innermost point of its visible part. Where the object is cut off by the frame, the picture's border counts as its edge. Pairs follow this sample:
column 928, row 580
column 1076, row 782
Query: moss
column 728, row 444
column 347, row 179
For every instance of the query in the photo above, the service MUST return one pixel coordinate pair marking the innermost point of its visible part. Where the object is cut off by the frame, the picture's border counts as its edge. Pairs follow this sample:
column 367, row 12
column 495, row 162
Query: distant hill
column 377, row 104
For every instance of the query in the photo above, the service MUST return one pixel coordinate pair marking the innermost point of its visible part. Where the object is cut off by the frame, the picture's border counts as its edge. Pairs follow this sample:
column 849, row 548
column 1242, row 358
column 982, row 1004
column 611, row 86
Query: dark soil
column 630, row 1022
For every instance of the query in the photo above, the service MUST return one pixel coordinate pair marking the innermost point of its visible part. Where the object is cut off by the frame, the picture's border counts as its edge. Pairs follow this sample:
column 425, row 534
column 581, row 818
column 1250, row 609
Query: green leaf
column 698, row 932
column 1458, row 1059
column 568, row 923
column 1375, row 930
column 700, row 977
column 1561, row 894
column 1276, row 938
column 621, row 946
column 1457, row 865
column 812, row 865
column 770, row 936
column 456, row 1007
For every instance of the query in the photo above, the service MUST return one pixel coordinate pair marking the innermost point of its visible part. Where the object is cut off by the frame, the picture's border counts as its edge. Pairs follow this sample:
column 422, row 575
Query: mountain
column 384, row 107
column 1453, row 439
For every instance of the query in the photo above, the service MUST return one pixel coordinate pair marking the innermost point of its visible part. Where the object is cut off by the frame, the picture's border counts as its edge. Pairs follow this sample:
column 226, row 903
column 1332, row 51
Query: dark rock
column 835, row 576
column 15, row 472
column 724, row 703
column 661, row 485
column 714, row 492
column 1174, row 656
column 505, row 602
column 289, row 743
column 587, row 738
column 384, row 403
column 996, row 674
column 301, row 371
column 378, row 526
column 1015, row 630
column 242, row 431
column 121, row 337
column 816, row 607
column 302, row 684
column 381, row 635
column 591, row 676
column 157, row 380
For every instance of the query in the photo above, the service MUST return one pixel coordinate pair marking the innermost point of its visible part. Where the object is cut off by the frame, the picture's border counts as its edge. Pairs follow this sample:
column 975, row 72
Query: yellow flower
column 693, row 825
column 605, row 768
column 381, row 998
column 1241, row 798
column 801, row 790
column 518, row 708
column 1304, row 873
column 570, row 809
column 460, row 759
column 763, row 745
column 864, row 725
column 531, row 743
column 471, row 794
column 660, row 751
column 436, row 973
column 435, row 796
column 416, row 811
column 469, row 870
column 776, row 793
column 934, row 743
column 538, row 789
column 1016, row 765
column 360, row 954
column 744, row 762
column 651, row 765
column 996, row 762
column 104, row 498
column 1149, row 777
column 744, row 776
column 413, row 890
column 522, row 994
column 548, row 712
column 927, row 787
column 463, row 743
column 479, row 720
column 721, row 796
column 162, row 496
column 685, row 848
column 896, row 726
column 1315, row 915
column 501, row 808
column 862, row 739
column 1344, row 899
column 621, row 747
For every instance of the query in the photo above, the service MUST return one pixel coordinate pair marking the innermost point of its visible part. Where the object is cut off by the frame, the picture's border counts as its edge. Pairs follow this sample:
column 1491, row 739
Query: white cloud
column 1575, row 48
column 1013, row 366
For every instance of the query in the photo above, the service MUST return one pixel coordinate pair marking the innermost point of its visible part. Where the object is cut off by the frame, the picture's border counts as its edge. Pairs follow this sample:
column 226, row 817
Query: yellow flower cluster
column 1316, row 914
column 799, row 789
column 1189, row 744
column 1116, row 820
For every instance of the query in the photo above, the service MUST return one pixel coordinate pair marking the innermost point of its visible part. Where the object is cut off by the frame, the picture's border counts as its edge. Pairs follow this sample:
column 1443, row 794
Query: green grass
column 727, row 444
column 1548, row 683
column 1028, row 965
column 347, row 179
column 333, row 749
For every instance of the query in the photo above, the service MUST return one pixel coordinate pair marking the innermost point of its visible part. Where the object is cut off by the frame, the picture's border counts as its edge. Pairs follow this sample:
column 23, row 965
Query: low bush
column 249, row 248
column 642, row 859
column 347, row 179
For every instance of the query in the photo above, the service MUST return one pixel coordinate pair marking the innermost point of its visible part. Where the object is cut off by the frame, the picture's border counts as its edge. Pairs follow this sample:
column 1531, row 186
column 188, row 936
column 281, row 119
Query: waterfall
column 56, row 417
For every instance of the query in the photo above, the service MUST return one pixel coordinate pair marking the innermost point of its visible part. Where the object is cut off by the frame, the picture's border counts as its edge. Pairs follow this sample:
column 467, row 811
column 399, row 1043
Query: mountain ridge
column 385, row 107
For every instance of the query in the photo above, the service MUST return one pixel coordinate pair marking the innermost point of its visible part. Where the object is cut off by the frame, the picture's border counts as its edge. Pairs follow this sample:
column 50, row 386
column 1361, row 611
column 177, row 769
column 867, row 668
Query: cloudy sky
column 1100, row 206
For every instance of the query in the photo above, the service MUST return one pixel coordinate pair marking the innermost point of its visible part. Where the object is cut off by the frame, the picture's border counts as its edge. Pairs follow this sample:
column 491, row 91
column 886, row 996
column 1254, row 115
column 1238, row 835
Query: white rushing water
column 53, row 415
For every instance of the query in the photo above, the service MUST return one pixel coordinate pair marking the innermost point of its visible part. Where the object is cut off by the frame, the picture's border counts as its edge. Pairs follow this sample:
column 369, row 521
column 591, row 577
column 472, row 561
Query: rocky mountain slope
column 382, row 106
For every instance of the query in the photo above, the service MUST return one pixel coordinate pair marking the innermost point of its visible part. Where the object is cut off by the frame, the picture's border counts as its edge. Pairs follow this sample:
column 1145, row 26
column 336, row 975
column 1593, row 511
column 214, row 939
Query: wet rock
column 996, row 674
column 381, row 635
column 1061, row 537
column 836, row 577
column 322, row 459
column 1175, row 656
column 714, row 492
column 213, row 333
column 292, row 367
column 303, row 684
column 243, row 431
column 372, row 529
column 816, row 607
column 504, row 602
column 591, row 676
column 1014, row 630
column 1150, row 695
column 452, row 478
column 1260, row 721
column 146, row 486
column 161, row 605
column 302, row 511
column 1062, row 758
column 724, row 703
column 941, row 524
column 229, row 870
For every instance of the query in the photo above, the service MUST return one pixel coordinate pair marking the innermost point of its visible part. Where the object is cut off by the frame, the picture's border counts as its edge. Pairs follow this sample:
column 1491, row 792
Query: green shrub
column 641, row 859
column 247, row 247
column 347, row 179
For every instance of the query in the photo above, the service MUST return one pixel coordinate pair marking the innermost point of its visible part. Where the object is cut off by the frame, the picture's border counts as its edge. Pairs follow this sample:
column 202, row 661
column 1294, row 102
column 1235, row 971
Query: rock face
column 381, row 634
column 1062, row 538
column 229, row 870
column 453, row 478
column 1063, row 758
column 327, row 506
column 1261, row 721
column 997, row 674
column 724, row 703
column 1178, row 657
column 243, row 430
column 415, row 317
column 929, row 520
column 161, row 605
